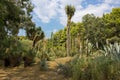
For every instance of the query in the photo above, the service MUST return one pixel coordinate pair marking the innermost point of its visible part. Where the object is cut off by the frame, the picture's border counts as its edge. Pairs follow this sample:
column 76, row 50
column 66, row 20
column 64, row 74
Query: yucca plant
column 42, row 53
column 70, row 10
column 88, row 48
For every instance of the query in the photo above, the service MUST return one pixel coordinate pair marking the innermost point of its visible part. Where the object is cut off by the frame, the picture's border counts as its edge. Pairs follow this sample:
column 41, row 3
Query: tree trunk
column 68, row 37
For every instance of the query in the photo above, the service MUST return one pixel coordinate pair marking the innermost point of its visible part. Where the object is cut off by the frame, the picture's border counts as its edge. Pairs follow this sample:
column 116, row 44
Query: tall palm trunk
column 68, row 37
column 70, row 12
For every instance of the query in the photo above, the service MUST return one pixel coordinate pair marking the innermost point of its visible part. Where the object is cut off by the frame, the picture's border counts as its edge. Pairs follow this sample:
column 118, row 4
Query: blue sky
column 50, row 14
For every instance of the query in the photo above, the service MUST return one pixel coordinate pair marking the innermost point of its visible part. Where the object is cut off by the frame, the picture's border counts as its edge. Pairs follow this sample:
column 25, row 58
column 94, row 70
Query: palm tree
column 70, row 10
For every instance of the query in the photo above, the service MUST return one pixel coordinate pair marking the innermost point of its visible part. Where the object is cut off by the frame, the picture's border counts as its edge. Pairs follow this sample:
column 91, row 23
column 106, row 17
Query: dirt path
column 33, row 72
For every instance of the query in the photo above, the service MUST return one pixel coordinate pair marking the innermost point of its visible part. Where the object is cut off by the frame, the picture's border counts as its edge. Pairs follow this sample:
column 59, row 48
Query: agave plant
column 88, row 48
column 112, row 50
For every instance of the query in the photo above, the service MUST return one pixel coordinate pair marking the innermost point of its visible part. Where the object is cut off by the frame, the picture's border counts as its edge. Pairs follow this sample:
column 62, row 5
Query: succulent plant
column 112, row 50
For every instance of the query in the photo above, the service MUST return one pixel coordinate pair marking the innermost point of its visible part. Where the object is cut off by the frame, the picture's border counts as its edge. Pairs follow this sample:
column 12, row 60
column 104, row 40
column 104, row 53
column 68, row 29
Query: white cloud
column 45, row 9
column 97, row 10
column 54, row 9
column 112, row 1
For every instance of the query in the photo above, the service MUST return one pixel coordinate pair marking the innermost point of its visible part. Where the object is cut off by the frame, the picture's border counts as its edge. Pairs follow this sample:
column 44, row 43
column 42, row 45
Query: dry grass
column 33, row 72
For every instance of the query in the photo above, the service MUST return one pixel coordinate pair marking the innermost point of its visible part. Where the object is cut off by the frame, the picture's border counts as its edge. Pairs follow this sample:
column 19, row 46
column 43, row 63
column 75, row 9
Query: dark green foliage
column 15, row 52
column 69, row 9
column 11, row 16
column 112, row 21
column 16, row 15
column 94, row 30
column 13, row 61
column 11, row 53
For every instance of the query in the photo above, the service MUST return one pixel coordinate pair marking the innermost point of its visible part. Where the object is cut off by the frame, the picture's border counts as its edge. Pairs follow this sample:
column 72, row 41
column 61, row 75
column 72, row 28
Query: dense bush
column 59, row 51
column 65, row 69
column 14, row 52
column 28, row 53
column 100, row 68
column 29, row 57
column 103, row 67
column 11, row 53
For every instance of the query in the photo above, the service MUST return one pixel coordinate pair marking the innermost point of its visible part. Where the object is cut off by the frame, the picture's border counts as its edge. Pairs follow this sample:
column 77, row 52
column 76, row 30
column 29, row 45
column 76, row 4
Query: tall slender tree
column 70, row 10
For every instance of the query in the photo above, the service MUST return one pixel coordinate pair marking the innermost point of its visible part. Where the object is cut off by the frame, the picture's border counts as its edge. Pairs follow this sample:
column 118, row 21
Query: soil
column 34, row 72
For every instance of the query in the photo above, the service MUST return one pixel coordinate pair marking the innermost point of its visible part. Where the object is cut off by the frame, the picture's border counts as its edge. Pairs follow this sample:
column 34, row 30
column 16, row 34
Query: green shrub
column 99, row 68
column 28, row 53
column 74, row 51
column 79, row 69
column 12, row 55
column 29, row 57
column 65, row 69
column 43, row 65
column 59, row 51
column 13, row 50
